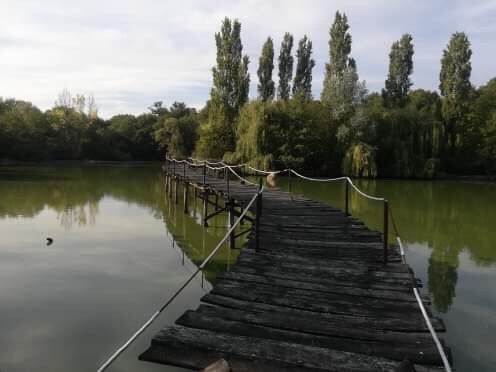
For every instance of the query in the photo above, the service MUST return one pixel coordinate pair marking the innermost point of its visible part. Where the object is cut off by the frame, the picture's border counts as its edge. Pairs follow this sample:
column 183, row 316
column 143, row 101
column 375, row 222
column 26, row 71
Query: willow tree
column 398, row 82
column 455, row 87
column 342, row 89
column 285, row 67
column 229, row 93
column 265, row 67
column 302, row 84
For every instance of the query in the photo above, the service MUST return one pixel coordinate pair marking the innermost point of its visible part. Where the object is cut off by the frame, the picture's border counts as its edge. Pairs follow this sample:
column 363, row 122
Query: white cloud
column 129, row 54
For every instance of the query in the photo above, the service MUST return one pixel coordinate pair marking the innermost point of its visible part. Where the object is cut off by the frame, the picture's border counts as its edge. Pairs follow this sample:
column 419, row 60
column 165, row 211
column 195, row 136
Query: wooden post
column 194, row 201
column 260, row 189
column 386, row 230
column 184, row 171
column 346, row 197
column 290, row 180
column 185, row 197
column 227, row 180
column 232, row 238
column 204, row 173
column 257, row 216
column 205, row 207
column 176, row 190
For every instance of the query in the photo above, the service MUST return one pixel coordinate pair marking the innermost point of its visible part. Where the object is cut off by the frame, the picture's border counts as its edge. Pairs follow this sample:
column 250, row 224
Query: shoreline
column 156, row 163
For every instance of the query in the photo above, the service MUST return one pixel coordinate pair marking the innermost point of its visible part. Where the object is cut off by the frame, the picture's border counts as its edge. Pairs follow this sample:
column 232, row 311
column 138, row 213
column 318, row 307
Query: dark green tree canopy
column 266, row 87
column 231, row 83
column 230, row 75
column 285, row 67
column 455, row 87
column 342, row 90
column 398, row 82
column 302, row 85
column 339, row 45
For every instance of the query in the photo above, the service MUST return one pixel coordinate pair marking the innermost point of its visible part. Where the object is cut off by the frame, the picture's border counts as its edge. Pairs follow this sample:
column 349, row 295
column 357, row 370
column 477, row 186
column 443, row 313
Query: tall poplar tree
column 398, row 82
column 342, row 89
column 265, row 67
column 285, row 67
column 231, row 82
column 302, row 84
column 455, row 86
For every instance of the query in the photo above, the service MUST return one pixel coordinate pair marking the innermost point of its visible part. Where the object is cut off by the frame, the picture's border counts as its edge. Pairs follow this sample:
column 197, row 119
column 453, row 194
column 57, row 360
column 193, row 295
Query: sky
column 129, row 54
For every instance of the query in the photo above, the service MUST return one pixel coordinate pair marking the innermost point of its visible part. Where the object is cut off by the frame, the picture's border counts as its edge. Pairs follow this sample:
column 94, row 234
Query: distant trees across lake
column 398, row 132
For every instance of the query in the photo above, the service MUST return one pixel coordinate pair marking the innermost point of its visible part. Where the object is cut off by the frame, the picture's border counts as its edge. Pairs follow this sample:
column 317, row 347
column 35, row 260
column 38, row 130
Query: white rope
column 267, row 172
column 317, row 179
column 362, row 193
column 241, row 178
column 216, row 168
column 114, row 356
column 439, row 347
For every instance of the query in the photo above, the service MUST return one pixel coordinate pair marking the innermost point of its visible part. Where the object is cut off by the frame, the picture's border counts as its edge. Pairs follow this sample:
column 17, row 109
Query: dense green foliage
column 302, row 85
column 285, row 67
column 398, row 81
column 68, row 133
column 341, row 91
column 399, row 133
column 231, row 82
column 266, row 86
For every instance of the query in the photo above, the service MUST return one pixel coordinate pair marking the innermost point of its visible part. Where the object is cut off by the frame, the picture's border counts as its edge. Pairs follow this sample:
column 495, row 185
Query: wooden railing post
column 184, row 171
column 232, row 236
column 204, row 173
column 386, row 230
column 290, row 180
column 227, row 181
column 186, row 196
column 346, row 197
column 258, row 213
column 205, row 206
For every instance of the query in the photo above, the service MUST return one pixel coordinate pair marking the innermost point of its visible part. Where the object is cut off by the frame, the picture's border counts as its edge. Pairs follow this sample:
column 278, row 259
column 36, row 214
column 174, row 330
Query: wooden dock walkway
column 315, row 296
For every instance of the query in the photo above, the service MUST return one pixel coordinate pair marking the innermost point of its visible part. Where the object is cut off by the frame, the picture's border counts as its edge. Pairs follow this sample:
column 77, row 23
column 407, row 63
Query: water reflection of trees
column 74, row 193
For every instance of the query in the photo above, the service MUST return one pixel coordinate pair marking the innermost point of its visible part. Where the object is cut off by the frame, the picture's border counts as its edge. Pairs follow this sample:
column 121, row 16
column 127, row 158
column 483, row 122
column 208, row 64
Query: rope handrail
column 119, row 351
column 268, row 172
column 241, row 178
column 427, row 320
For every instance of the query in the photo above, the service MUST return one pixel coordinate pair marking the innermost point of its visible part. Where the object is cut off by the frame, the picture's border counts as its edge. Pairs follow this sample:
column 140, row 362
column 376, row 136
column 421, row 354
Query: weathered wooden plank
column 422, row 352
column 315, row 301
column 278, row 352
column 351, row 321
column 318, row 287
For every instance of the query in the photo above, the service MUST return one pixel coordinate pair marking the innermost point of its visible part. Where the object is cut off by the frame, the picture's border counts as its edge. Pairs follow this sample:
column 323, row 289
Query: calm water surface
column 121, row 247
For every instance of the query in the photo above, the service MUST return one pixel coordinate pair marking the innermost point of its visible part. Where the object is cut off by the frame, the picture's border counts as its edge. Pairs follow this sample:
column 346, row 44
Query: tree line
column 72, row 130
column 398, row 132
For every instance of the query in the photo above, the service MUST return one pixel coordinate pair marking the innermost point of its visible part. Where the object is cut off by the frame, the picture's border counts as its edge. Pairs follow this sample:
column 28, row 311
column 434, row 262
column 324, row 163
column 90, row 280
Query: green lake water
column 121, row 247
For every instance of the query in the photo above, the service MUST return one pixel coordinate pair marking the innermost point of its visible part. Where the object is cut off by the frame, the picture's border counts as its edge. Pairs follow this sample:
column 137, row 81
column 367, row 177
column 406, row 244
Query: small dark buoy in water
column 49, row 241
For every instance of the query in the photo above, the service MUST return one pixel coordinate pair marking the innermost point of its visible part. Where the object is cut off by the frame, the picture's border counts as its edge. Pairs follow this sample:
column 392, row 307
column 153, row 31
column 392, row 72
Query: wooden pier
column 313, row 294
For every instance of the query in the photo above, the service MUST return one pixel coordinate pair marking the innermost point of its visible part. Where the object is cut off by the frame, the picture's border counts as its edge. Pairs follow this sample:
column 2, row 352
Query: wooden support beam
column 185, row 199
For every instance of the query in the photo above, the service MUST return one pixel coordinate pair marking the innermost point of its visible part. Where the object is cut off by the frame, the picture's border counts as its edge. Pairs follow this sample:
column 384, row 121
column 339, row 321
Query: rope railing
column 427, row 320
column 120, row 350
column 387, row 214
